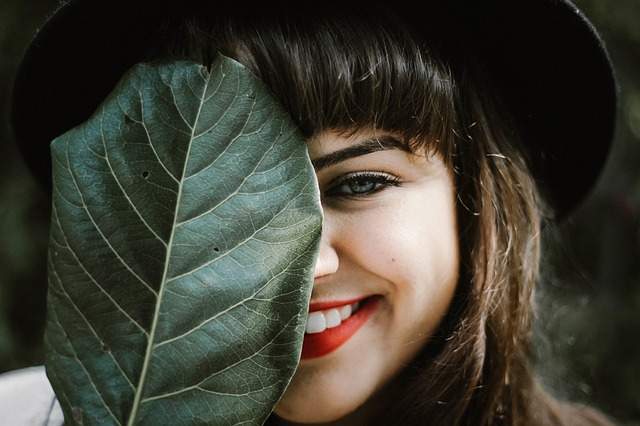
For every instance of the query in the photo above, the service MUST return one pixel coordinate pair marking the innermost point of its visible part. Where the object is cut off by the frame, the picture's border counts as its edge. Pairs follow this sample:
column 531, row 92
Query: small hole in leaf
column 145, row 174
column 105, row 348
column 216, row 249
column 77, row 414
column 128, row 119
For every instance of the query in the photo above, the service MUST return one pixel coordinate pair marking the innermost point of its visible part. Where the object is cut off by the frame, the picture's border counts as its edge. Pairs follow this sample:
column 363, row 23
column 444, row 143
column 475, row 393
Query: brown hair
column 359, row 70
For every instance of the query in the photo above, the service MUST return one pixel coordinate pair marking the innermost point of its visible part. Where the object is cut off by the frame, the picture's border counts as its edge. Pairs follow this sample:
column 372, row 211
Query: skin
column 397, row 241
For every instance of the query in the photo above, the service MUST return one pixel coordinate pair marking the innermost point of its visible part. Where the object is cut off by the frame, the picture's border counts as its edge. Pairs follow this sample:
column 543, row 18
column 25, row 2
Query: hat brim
column 544, row 56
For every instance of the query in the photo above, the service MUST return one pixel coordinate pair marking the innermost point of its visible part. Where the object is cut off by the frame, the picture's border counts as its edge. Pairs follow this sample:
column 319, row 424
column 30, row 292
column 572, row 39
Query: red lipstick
column 321, row 306
column 319, row 344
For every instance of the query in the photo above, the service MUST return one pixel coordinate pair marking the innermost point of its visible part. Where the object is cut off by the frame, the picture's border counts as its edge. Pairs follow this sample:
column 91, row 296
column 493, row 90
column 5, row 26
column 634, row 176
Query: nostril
column 327, row 262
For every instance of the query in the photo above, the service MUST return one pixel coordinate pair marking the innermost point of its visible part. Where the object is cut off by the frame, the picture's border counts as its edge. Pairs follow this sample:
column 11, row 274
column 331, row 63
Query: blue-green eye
column 361, row 184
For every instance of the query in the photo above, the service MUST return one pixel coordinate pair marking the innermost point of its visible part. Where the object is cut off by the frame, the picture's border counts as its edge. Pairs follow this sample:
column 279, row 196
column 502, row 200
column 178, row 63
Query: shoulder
column 567, row 413
column 546, row 409
column 583, row 415
column 26, row 398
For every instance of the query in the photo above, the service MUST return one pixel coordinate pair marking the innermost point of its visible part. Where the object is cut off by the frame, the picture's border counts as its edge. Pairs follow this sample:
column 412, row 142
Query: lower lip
column 318, row 344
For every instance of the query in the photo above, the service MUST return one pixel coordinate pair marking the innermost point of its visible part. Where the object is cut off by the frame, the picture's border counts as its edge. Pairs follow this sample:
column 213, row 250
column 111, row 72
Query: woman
column 464, row 118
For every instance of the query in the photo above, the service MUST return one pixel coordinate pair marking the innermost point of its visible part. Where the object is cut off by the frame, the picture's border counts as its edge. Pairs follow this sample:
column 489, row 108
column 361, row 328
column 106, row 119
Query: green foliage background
column 587, row 334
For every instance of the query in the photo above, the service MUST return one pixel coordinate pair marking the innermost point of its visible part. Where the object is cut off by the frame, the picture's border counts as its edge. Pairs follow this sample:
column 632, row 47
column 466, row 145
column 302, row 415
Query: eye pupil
column 361, row 185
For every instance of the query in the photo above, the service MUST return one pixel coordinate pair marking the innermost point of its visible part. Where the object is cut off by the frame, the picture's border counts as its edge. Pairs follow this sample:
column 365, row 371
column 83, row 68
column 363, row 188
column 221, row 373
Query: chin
column 311, row 417
column 305, row 408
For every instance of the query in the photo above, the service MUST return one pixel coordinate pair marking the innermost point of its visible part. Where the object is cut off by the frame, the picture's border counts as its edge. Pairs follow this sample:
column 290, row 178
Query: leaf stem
column 150, row 344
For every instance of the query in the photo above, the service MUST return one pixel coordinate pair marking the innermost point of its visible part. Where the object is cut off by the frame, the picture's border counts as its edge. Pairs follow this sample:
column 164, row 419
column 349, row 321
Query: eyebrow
column 364, row 147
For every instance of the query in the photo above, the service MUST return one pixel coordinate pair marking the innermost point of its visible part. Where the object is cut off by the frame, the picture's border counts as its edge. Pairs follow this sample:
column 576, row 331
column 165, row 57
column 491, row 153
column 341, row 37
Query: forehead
column 332, row 148
column 332, row 140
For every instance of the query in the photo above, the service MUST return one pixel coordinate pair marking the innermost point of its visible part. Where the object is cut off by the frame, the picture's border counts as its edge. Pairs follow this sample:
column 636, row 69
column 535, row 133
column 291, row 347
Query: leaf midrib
column 145, row 366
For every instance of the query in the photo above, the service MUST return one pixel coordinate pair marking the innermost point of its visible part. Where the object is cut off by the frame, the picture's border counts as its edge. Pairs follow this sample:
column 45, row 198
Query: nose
column 328, row 261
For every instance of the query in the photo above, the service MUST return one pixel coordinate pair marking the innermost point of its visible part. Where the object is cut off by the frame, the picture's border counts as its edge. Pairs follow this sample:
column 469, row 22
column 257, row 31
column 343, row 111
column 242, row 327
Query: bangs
column 346, row 73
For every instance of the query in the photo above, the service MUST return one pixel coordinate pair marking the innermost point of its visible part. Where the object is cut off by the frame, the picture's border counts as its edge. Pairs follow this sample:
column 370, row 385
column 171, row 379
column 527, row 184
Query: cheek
column 412, row 244
column 411, row 241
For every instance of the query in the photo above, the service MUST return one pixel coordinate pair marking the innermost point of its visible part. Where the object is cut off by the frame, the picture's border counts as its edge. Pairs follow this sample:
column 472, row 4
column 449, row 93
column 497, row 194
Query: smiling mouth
column 320, row 320
column 329, row 329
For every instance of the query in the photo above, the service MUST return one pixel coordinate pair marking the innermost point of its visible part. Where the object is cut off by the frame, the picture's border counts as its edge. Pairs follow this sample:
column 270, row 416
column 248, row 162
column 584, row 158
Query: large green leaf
column 186, row 222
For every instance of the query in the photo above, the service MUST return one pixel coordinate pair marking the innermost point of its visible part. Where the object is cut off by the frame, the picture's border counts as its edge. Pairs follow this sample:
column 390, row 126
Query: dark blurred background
column 587, row 331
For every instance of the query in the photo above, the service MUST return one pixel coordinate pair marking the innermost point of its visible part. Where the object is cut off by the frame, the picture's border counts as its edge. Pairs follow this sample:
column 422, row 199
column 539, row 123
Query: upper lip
column 328, row 304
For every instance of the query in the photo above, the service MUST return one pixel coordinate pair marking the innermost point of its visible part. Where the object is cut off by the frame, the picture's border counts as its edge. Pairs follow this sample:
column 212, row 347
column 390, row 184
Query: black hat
column 544, row 56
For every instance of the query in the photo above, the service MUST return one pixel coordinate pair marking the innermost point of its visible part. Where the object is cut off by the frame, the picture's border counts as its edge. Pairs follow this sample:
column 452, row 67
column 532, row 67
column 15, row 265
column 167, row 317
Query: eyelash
column 385, row 180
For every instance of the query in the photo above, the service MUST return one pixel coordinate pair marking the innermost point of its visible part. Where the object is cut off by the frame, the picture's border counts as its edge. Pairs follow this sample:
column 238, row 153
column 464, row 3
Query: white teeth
column 333, row 318
column 345, row 312
column 319, row 321
column 316, row 322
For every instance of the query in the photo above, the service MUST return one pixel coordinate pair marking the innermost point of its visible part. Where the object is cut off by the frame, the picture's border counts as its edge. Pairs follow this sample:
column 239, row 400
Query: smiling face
column 390, row 230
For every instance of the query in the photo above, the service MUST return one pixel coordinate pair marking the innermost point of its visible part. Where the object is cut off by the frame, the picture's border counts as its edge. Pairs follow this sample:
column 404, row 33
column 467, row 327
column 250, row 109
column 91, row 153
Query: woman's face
column 389, row 230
